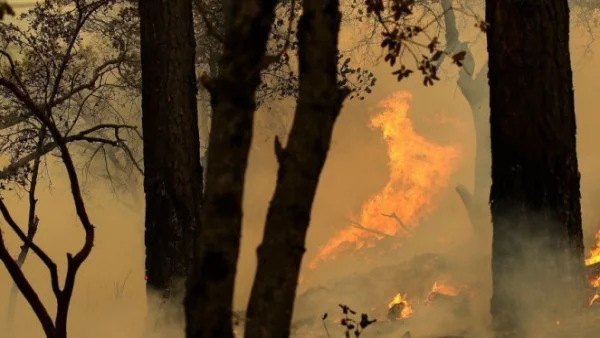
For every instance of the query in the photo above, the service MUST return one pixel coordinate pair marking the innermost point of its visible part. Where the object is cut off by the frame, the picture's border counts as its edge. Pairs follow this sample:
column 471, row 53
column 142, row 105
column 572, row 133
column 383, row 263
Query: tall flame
column 418, row 170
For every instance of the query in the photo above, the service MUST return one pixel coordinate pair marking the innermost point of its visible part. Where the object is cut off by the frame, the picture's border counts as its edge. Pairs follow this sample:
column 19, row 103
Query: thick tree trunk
column 209, row 299
column 537, row 264
column 173, row 174
column 300, row 164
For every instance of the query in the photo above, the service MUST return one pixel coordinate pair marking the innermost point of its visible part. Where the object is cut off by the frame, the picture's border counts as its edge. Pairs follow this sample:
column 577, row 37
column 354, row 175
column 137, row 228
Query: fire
column 595, row 282
column 400, row 304
column 594, row 258
column 418, row 171
column 595, row 252
column 444, row 289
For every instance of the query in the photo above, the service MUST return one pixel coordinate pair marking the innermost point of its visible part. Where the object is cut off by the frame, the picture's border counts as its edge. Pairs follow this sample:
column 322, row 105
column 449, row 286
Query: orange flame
column 418, row 170
column 444, row 289
column 407, row 310
column 594, row 256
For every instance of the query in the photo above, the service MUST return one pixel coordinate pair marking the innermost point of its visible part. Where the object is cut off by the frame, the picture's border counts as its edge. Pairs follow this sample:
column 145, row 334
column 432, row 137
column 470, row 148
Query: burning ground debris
column 441, row 296
column 399, row 307
column 593, row 271
column 399, row 296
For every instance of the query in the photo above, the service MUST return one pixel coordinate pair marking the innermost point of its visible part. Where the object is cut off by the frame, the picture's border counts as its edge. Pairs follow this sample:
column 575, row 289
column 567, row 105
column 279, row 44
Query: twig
column 395, row 217
column 362, row 227
column 326, row 329
column 83, row 135
column 270, row 59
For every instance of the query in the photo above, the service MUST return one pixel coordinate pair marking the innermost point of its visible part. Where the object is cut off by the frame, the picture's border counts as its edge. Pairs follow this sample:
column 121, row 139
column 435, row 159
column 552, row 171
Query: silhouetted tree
column 301, row 161
column 535, row 199
column 208, row 303
column 172, row 170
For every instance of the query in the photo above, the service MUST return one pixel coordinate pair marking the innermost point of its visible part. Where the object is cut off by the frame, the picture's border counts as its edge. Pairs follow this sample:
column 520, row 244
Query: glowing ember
column 400, row 307
column 418, row 171
column 595, row 252
column 595, row 282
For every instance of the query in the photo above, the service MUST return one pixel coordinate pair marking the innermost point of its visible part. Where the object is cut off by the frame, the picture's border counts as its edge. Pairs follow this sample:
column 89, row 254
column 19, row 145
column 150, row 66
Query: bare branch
column 84, row 135
column 399, row 221
column 365, row 228
column 26, row 289
column 97, row 74
column 36, row 249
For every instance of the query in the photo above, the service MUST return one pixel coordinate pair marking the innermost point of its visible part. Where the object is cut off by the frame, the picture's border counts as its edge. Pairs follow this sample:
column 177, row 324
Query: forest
column 299, row 168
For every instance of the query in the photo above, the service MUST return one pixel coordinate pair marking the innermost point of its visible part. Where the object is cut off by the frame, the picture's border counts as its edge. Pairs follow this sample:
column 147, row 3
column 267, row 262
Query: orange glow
column 407, row 310
column 595, row 282
column 444, row 289
column 594, row 256
column 418, row 171
column 594, row 299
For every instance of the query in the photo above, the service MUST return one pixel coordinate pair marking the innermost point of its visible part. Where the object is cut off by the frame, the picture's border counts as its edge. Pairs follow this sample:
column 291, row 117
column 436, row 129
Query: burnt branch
column 360, row 226
column 399, row 221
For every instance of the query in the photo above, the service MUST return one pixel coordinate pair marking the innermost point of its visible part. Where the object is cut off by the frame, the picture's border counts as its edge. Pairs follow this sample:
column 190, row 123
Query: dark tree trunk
column 172, row 170
column 537, row 265
column 208, row 303
column 280, row 254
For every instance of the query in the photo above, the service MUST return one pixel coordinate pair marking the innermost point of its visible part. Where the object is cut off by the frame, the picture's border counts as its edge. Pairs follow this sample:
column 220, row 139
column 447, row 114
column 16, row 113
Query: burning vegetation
column 419, row 170
column 593, row 268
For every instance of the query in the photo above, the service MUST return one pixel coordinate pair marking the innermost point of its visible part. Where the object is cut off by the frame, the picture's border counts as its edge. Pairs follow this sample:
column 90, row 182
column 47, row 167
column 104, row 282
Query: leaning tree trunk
column 474, row 87
column 172, row 170
column 209, row 299
column 320, row 99
column 537, row 264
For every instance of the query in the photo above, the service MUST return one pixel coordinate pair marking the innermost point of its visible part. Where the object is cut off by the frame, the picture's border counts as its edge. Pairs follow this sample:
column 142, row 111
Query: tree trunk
column 300, row 164
column 474, row 87
column 173, row 174
column 208, row 303
column 537, row 265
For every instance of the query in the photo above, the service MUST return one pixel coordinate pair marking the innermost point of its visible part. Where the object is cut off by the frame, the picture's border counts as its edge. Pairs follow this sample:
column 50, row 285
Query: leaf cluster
column 353, row 327
column 409, row 31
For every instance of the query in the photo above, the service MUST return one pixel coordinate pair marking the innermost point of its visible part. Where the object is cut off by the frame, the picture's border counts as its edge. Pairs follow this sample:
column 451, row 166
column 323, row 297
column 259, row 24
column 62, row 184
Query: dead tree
column 473, row 85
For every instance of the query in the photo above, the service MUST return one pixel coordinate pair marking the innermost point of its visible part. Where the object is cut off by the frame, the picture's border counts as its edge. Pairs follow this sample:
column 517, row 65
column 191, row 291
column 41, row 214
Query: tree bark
column 269, row 312
column 208, row 303
column 537, row 265
column 173, row 174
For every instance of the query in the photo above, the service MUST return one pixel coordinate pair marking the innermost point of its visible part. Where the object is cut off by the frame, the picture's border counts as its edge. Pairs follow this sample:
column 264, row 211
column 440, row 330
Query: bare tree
column 54, row 91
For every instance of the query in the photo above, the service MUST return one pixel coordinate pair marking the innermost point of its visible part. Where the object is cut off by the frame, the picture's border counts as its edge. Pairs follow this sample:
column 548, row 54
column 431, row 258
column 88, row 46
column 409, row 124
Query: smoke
column 110, row 293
